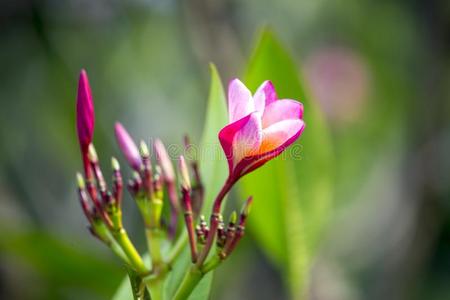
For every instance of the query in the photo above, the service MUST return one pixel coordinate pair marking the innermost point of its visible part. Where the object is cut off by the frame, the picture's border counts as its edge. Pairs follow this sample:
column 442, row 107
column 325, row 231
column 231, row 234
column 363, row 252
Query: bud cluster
column 150, row 185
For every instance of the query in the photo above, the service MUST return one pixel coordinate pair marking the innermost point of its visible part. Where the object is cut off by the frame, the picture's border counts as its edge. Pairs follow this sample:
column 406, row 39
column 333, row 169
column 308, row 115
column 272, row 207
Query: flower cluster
column 260, row 128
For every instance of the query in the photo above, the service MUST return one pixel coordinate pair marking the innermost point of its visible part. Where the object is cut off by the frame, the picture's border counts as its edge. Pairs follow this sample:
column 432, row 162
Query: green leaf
column 214, row 171
column 62, row 266
column 213, row 165
column 293, row 193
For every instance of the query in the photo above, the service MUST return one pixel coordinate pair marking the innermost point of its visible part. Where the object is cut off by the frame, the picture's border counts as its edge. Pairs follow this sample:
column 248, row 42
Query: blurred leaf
column 293, row 193
column 63, row 264
column 213, row 164
column 214, row 171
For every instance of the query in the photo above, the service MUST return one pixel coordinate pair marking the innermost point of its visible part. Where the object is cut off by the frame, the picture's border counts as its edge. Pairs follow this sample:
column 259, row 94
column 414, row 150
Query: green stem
column 154, row 245
column 102, row 232
column 115, row 247
column 130, row 251
column 177, row 248
column 211, row 264
column 190, row 281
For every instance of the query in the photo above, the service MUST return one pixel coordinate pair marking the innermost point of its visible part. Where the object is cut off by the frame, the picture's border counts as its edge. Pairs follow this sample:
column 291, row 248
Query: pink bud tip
column 85, row 112
column 164, row 160
column 128, row 147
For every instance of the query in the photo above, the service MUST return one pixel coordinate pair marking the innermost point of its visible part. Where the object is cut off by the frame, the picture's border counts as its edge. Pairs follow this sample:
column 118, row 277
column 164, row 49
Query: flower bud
column 117, row 181
column 128, row 147
column 143, row 149
column 245, row 211
column 164, row 161
column 85, row 120
column 85, row 113
column 233, row 217
column 246, row 208
column 115, row 164
column 87, row 210
column 80, row 181
column 184, row 173
column 92, row 154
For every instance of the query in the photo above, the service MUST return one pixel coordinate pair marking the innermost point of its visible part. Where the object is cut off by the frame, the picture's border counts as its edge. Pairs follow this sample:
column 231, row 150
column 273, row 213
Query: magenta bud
column 164, row 161
column 128, row 147
column 85, row 112
column 85, row 120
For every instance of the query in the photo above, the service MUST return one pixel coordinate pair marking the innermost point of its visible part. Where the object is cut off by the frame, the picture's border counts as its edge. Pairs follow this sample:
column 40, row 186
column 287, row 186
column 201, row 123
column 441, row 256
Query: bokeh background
column 380, row 72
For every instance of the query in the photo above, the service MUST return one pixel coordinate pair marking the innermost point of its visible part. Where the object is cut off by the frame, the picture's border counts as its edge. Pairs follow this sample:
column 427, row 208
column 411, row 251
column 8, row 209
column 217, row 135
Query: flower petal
column 282, row 110
column 277, row 134
column 275, row 141
column 264, row 95
column 240, row 101
column 241, row 138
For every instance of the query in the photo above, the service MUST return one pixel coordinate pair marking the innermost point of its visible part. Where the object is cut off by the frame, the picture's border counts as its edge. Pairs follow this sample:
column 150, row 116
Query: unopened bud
column 92, row 154
column 85, row 112
column 164, row 161
column 158, row 171
column 115, row 164
column 84, row 198
column 221, row 235
column 184, row 173
column 233, row 217
column 128, row 147
column 137, row 178
column 80, row 181
column 143, row 149
column 117, row 181
column 247, row 206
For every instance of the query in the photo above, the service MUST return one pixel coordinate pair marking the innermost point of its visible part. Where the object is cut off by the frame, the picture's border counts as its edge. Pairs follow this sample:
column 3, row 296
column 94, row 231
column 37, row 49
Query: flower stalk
column 188, row 214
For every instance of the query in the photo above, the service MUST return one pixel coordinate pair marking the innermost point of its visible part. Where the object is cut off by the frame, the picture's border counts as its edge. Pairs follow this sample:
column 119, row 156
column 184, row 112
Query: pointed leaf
column 214, row 170
column 293, row 193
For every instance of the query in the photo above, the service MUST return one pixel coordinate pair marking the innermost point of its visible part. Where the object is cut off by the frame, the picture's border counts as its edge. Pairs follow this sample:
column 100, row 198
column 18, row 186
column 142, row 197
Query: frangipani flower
column 260, row 127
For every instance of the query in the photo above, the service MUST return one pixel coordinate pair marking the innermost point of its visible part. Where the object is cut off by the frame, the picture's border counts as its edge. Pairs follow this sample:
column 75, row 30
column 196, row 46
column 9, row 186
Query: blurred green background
column 379, row 71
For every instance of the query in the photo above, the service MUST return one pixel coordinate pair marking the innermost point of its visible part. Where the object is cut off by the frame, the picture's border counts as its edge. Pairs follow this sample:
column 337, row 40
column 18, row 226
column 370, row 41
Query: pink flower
column 128, row 147
column 85, row 117
column 260, row 127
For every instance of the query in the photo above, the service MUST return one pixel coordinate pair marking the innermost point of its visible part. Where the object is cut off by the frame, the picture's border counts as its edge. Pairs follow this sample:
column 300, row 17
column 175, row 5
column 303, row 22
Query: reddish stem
column 214, row 222
column 148, row 177
column 237, row 237
column 189, row 223
column 85, row 204
column 118, row 187
column 173, row 199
